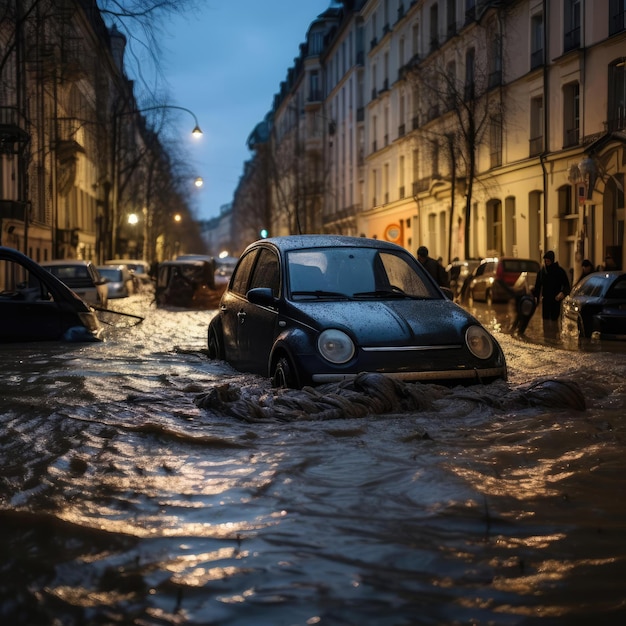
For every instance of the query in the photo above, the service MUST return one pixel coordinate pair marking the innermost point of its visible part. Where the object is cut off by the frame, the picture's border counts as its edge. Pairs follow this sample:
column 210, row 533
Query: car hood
column 390, row 322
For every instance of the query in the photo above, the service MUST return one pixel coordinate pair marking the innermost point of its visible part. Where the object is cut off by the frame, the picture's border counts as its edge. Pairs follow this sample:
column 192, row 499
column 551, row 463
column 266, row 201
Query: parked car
column 37, row 306
column 83, row 278
column 189, row 284
column 596, row 306
column 140, row 271
column 120, row 281
column 320, row 308
column 502, row 279
column 458, row 272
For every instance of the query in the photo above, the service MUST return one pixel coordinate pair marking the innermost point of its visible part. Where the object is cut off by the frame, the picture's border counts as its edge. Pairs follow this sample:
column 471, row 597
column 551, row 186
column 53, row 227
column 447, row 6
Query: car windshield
column 112, row 274
column 355, row 273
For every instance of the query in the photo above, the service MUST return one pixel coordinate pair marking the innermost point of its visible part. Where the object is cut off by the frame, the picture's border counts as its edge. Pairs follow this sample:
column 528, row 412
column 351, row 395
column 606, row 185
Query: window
column 536, row 41
column 315, row 94
column 470, row 10
column 415, row 39
column 495, row 57
column 617, row 16
column 571, row 34
column 451, row 17
column 266, row 273
column 434, row 27
column 469, row 74
column 616, row 114
column 536, row 125
column 495, row 140
column 571, row 114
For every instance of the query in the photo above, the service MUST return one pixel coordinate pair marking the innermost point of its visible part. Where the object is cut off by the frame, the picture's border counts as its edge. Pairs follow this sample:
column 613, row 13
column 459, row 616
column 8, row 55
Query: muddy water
column 123, row 501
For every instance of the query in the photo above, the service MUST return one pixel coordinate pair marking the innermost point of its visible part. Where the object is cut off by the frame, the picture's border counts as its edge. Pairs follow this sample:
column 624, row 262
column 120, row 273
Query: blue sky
column 225, row 63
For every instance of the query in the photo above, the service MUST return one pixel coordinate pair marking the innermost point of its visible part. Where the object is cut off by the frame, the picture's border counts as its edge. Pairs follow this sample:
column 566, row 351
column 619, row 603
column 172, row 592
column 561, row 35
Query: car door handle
column 241, row 316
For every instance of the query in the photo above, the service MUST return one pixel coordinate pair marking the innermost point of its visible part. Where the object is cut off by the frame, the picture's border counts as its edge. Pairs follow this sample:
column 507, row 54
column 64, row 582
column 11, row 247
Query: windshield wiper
column 318, row 293
column 394, row 292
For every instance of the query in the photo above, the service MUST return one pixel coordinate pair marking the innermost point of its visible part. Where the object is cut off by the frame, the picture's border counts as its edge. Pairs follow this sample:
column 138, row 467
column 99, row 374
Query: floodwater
column 143, row 484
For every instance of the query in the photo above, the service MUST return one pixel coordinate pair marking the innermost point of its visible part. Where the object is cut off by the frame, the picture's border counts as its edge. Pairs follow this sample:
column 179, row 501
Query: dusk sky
column 225, row 64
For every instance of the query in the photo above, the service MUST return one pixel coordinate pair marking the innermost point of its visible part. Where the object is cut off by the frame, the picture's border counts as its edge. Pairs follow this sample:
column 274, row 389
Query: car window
column 480, row 270
column 520, row 265
column 239, row 281
column 618, row 290
column 266, row 272
column 349, row 271
column 399, row 274
column 592, row 287
column 18, row 284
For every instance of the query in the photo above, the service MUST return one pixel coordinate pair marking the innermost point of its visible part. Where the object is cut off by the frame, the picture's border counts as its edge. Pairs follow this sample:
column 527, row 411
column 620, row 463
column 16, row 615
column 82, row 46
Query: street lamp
column 198, row 182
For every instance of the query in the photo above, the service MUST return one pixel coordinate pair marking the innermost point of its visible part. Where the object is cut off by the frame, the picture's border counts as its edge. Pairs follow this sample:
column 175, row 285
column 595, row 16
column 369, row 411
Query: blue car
column 36, row 306
column 314, row 309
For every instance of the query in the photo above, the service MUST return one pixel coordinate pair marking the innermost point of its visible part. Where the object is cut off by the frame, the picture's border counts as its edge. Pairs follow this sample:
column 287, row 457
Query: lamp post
column 114, row 208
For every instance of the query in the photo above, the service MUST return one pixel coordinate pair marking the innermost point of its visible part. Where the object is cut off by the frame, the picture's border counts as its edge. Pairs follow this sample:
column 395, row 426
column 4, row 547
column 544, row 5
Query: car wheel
column 216, row 352
column 283, row 375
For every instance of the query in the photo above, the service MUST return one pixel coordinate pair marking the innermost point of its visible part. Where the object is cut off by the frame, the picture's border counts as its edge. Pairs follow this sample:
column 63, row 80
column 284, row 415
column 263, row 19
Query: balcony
column 571, row 138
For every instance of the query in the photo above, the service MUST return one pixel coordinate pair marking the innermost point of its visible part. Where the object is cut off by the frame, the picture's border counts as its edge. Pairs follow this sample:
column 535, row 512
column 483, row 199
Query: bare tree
column 461, row 102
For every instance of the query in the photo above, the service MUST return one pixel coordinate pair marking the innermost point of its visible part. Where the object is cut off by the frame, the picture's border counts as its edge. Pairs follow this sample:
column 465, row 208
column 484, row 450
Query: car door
column 232, row 310
column 27, row 311
column 257, row 323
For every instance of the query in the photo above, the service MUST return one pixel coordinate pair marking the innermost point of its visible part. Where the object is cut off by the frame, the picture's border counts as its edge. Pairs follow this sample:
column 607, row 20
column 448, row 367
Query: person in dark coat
column 551, row 286
column 436, row 270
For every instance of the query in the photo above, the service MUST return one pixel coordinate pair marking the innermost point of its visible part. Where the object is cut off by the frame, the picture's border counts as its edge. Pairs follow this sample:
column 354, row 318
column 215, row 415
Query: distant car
column 458, row 272
column 83, row 278
column 189, row 284
column 120, row 282
column 502, row 279
column 37, row 306
column 596, row 306
column 140, row 271
column 320, row 308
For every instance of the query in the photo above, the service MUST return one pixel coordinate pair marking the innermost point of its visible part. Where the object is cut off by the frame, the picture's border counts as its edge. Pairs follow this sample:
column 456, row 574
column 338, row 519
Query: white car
column 83, row 278
column 120, row 280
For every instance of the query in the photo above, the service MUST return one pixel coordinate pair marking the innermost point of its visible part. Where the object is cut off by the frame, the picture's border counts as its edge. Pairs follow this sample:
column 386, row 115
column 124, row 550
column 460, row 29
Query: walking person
column 435, row 269
column 551, row 286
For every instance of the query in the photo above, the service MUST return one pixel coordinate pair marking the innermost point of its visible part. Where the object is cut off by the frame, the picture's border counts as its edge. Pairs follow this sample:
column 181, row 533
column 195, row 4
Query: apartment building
column 473, row 127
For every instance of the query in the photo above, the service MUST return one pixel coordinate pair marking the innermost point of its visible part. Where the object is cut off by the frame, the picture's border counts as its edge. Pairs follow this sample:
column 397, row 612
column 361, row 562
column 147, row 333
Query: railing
column 536, row 59
column 571, row 39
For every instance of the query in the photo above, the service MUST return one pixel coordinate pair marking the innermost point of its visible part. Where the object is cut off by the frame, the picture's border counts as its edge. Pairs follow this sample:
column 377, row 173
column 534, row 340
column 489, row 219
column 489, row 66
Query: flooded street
column 142, row 483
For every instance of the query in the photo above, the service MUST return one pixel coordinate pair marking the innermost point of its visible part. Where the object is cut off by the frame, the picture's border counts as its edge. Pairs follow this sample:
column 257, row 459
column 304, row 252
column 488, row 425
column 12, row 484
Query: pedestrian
column 551, row 286
column 435, row 269
column 585, row 269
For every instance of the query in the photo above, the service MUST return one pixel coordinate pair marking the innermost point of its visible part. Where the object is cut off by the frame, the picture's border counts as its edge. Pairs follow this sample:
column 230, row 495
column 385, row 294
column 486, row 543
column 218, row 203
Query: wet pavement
column 125, row 499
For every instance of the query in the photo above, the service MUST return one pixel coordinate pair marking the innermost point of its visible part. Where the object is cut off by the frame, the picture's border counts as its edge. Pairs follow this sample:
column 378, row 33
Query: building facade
column 475, row 128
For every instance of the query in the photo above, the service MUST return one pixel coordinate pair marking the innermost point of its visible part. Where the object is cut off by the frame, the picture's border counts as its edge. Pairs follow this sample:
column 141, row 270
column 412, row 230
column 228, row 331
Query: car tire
column 214, row 345
column 283, row 375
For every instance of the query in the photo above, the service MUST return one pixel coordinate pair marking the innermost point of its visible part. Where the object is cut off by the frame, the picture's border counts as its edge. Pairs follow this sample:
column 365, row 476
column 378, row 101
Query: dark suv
column 500, row 279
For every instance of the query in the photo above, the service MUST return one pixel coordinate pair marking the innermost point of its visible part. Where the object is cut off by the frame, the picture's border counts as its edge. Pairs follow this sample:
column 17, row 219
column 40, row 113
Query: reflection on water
column 124, row 501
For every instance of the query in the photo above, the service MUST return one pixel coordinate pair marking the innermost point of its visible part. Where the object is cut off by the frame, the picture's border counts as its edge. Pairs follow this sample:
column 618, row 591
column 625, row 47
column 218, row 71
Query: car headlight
column 479, row 342
column 335, row 346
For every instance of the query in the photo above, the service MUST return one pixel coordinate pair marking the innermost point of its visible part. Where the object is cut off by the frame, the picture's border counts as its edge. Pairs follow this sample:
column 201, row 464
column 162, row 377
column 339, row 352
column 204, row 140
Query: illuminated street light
column 177, row 217
column 198, row 182
column 133, row 219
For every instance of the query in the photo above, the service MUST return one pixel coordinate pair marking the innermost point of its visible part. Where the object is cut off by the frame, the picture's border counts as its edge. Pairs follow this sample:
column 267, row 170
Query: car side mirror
column 262, row 296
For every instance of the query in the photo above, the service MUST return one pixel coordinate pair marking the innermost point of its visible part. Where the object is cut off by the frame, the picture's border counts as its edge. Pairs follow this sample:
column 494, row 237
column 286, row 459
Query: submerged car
column 83, row 278
column 188, row 284
column 37, row 306
column 596, row 306
column 502, row 279
column 319, row 308
column 120, row 283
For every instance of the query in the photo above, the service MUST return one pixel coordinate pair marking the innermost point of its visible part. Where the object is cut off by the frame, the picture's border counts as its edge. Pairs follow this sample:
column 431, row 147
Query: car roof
column 296, row 242
column 66, row 262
